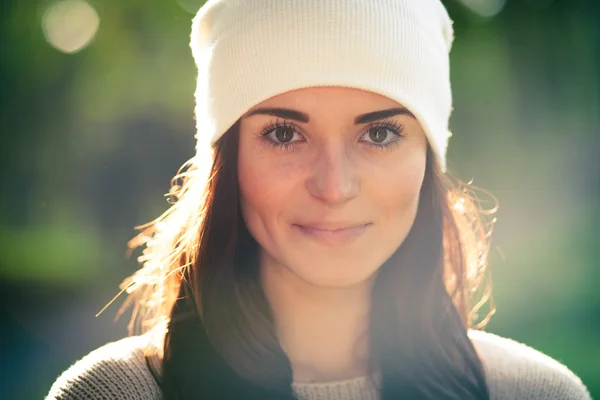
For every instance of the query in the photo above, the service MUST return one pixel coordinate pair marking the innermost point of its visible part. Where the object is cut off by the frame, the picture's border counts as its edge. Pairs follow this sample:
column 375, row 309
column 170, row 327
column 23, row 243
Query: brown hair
column 200, row 277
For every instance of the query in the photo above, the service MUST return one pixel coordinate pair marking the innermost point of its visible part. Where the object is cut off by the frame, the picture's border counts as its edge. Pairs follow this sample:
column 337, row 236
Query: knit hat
column 247, row 51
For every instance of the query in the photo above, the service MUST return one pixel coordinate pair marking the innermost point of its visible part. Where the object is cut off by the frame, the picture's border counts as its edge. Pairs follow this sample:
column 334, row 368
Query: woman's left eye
column 382, row 135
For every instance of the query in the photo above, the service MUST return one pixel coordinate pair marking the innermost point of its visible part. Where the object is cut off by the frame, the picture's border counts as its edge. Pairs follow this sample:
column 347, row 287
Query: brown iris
column 284, row 134
column 378, row 135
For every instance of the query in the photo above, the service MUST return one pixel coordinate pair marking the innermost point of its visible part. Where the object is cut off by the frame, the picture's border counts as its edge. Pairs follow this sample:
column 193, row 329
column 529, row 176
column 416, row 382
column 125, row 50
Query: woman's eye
column 380, row 136
column 283, row 135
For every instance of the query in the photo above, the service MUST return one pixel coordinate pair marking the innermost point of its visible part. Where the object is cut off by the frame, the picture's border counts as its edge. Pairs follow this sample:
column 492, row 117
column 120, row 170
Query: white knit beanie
column 247, row 51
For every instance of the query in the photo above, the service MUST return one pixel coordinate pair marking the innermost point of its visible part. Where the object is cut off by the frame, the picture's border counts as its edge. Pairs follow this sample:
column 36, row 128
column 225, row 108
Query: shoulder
column 517, row 371
column 117, row 370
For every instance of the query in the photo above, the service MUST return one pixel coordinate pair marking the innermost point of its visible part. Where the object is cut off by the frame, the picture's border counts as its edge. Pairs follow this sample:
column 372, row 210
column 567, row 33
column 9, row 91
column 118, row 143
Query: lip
column 331, row 235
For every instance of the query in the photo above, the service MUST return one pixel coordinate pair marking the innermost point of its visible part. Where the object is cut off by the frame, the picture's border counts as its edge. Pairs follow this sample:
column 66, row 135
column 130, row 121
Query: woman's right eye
column 281, row 135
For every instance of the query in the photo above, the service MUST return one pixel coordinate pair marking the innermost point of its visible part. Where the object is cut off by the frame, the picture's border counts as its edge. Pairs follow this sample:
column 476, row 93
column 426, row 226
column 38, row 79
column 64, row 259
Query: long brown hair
column 199, row 276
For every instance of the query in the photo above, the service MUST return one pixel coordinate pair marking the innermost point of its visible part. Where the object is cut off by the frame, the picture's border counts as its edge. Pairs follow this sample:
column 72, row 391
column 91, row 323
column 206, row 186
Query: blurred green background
column 96, row 117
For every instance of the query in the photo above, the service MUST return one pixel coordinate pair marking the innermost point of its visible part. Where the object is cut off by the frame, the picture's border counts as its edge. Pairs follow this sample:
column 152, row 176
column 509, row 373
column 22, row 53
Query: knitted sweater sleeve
column 516, row 371
column 116, row 370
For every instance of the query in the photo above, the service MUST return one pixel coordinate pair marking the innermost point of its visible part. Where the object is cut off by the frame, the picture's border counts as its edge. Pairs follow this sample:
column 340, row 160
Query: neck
column 323, row 330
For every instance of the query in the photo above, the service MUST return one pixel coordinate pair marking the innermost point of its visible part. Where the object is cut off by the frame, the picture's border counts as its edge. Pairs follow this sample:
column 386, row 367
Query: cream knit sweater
column 513, row 370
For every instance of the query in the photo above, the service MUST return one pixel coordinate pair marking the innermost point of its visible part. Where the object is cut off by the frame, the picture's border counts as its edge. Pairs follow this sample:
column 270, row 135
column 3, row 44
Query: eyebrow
column 302, row 117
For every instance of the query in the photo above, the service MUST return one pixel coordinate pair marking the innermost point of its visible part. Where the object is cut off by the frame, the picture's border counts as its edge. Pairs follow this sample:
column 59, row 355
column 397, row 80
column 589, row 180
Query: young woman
column 316, row 248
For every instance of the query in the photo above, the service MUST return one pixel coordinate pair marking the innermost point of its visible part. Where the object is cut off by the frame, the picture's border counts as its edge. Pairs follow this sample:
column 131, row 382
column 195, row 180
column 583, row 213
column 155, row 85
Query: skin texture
column 319, row 281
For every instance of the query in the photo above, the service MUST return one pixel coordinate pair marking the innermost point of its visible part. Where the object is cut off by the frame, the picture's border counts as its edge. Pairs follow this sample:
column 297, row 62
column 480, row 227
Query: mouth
column 332, row 237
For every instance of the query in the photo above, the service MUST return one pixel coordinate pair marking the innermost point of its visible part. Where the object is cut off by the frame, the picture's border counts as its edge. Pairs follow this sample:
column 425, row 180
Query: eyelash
column 396, row 129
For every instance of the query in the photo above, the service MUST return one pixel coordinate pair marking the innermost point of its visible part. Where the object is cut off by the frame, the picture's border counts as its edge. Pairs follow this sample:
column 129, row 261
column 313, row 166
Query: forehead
column 342, row 99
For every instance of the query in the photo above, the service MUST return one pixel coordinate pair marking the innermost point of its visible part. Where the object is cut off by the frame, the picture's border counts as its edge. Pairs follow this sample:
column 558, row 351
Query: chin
column 334, row 273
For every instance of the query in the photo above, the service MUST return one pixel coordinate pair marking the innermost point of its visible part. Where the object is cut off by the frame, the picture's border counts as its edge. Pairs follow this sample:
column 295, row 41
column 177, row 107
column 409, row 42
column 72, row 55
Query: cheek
column 398, row 196
column 255, row 195
column 266, row 188
column 402, row 194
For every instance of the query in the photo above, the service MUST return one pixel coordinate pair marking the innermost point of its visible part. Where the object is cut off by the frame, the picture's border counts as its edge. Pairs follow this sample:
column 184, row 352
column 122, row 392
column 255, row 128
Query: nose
column 333, row 178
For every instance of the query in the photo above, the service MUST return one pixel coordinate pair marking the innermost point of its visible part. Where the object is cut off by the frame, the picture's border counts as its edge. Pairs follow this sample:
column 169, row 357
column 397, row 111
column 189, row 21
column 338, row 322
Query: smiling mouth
column 332, row 237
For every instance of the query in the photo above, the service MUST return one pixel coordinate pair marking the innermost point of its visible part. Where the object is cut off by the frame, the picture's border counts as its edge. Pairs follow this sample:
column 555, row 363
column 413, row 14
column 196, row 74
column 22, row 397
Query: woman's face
column 329, row 180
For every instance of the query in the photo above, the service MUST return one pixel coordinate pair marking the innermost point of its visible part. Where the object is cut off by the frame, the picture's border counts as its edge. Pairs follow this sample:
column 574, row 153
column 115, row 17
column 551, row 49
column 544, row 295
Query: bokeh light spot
column 70, row 25
column 485, row 8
